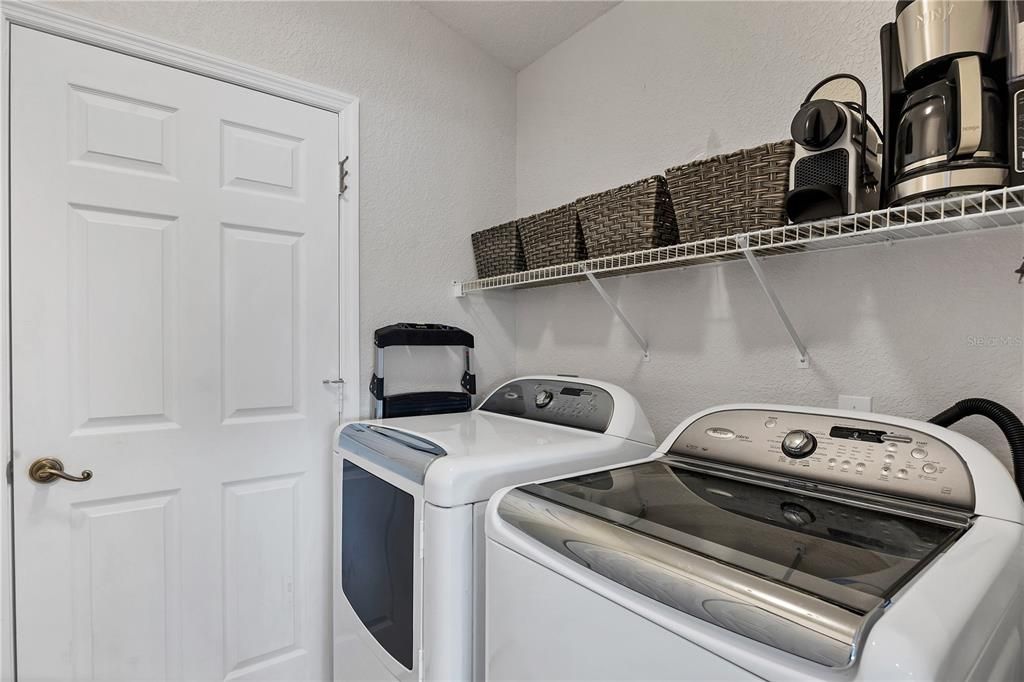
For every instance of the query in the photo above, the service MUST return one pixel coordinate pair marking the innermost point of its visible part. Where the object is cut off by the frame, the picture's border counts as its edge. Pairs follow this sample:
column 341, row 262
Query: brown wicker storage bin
column 731, row 193
column 552, row 237
column 498, row 250
column 633, row 217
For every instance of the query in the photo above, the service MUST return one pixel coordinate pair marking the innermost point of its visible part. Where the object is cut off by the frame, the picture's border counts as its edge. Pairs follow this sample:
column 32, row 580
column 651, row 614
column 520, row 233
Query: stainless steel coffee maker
column 944, row 86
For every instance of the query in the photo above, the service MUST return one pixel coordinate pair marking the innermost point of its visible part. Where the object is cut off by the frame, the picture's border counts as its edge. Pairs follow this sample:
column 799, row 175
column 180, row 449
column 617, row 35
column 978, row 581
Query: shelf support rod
column 755, row 265
column 640, row 341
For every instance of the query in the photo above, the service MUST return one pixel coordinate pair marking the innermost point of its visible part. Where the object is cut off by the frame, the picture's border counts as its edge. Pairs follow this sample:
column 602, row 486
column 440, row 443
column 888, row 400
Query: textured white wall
column 437, row 142
column 650, row 85
column 645, row 86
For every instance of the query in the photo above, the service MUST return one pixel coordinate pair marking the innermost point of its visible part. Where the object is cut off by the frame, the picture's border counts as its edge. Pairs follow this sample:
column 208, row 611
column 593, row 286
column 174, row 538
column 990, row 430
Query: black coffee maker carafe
column 944, row 109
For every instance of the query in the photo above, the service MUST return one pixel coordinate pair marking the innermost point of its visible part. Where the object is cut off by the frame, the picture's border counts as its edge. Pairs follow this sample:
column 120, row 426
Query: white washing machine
column 764, row 542
column 410, row 497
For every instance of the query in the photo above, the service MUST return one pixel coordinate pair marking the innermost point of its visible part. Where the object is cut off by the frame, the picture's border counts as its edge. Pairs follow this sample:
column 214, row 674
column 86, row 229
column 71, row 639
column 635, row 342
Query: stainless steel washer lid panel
column 401, row 453
column 687, row 582
column 799, row 573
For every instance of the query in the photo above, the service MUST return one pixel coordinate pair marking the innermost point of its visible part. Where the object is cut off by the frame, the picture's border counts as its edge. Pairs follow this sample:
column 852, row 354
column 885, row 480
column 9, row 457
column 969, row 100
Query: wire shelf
column 953, row 215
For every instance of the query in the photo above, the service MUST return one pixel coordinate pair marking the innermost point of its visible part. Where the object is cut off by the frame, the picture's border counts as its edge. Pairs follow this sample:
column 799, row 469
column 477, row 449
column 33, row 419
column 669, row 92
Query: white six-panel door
column 174, row 308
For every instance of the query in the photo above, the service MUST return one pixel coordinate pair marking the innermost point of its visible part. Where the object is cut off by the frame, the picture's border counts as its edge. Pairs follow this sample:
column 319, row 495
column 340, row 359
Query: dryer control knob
column 543, row 398
column 799, row 444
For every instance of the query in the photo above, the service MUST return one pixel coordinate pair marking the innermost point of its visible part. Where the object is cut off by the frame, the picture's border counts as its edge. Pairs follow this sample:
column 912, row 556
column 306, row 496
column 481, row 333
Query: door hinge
column 342, row 174
column 10, row 471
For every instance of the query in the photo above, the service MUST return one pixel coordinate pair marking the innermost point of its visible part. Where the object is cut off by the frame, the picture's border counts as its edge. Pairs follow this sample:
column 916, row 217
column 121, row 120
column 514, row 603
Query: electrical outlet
column 857, row 403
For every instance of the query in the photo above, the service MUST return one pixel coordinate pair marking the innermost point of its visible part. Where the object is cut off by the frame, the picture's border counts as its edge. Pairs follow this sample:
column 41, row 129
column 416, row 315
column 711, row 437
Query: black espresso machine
column 945, row 102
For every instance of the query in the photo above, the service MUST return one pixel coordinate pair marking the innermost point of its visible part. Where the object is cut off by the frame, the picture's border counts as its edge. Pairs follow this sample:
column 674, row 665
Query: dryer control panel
column 569, row 403
column 847, row 452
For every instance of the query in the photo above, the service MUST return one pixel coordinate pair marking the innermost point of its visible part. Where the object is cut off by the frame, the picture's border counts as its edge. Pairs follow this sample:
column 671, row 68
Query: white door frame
column 201, row 63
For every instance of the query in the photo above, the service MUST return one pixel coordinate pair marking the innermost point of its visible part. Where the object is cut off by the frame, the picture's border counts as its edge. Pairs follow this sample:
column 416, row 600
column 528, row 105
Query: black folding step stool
column 424, row 402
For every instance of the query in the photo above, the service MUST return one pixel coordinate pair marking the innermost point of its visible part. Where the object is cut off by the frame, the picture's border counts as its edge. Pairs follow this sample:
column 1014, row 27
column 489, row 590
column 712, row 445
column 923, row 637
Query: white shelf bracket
column 457, row 290
column 640, row 341
column 755, row 265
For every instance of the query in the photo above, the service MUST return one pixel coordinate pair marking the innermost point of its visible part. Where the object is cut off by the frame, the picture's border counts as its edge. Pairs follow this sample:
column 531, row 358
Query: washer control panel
column 848, row 452
column 569, row 403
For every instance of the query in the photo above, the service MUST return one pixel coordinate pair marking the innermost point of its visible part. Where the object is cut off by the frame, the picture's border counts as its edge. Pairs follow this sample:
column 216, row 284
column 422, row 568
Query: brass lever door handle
column 48, row 470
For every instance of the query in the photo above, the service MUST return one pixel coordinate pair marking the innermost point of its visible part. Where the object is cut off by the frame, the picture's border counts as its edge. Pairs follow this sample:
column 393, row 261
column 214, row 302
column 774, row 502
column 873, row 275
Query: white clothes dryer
column 764, row 542
column 410, row 496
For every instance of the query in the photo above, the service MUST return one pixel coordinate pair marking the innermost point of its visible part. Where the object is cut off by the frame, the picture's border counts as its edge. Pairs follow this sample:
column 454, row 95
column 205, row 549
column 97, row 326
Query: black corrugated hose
column 1006, row 420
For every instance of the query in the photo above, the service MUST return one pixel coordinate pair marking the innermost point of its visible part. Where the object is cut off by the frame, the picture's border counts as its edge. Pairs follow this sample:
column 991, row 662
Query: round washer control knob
column 543, row 398
column 796, row 514
column 799, row 444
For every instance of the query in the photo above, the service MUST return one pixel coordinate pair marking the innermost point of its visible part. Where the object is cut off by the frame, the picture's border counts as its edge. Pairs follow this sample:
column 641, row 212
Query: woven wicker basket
column 498, row 250
column 629, row 218
column 731, row 193
column 552, row 237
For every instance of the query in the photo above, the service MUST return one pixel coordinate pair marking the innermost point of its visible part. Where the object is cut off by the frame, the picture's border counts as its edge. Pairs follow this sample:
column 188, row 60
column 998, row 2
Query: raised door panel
column 114, row 132
column 126, row 559
column 261, row 323
column 122, row 279
column 261, row 161
column 262, row 580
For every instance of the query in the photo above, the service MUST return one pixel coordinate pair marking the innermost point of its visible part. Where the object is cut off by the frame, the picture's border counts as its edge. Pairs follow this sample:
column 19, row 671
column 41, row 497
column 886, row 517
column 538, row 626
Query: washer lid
column 852, row 556
column 800, row 572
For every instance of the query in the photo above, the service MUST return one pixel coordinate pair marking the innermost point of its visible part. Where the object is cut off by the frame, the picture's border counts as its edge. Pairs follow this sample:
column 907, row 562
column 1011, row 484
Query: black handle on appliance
column 421, row 334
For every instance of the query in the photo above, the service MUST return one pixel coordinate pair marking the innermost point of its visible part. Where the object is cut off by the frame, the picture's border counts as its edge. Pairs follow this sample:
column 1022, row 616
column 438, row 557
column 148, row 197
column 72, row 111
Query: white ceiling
column 516, row 33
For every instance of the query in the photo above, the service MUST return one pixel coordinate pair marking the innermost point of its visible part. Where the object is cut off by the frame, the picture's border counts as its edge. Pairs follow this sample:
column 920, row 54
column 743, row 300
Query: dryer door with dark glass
column 381, row 491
